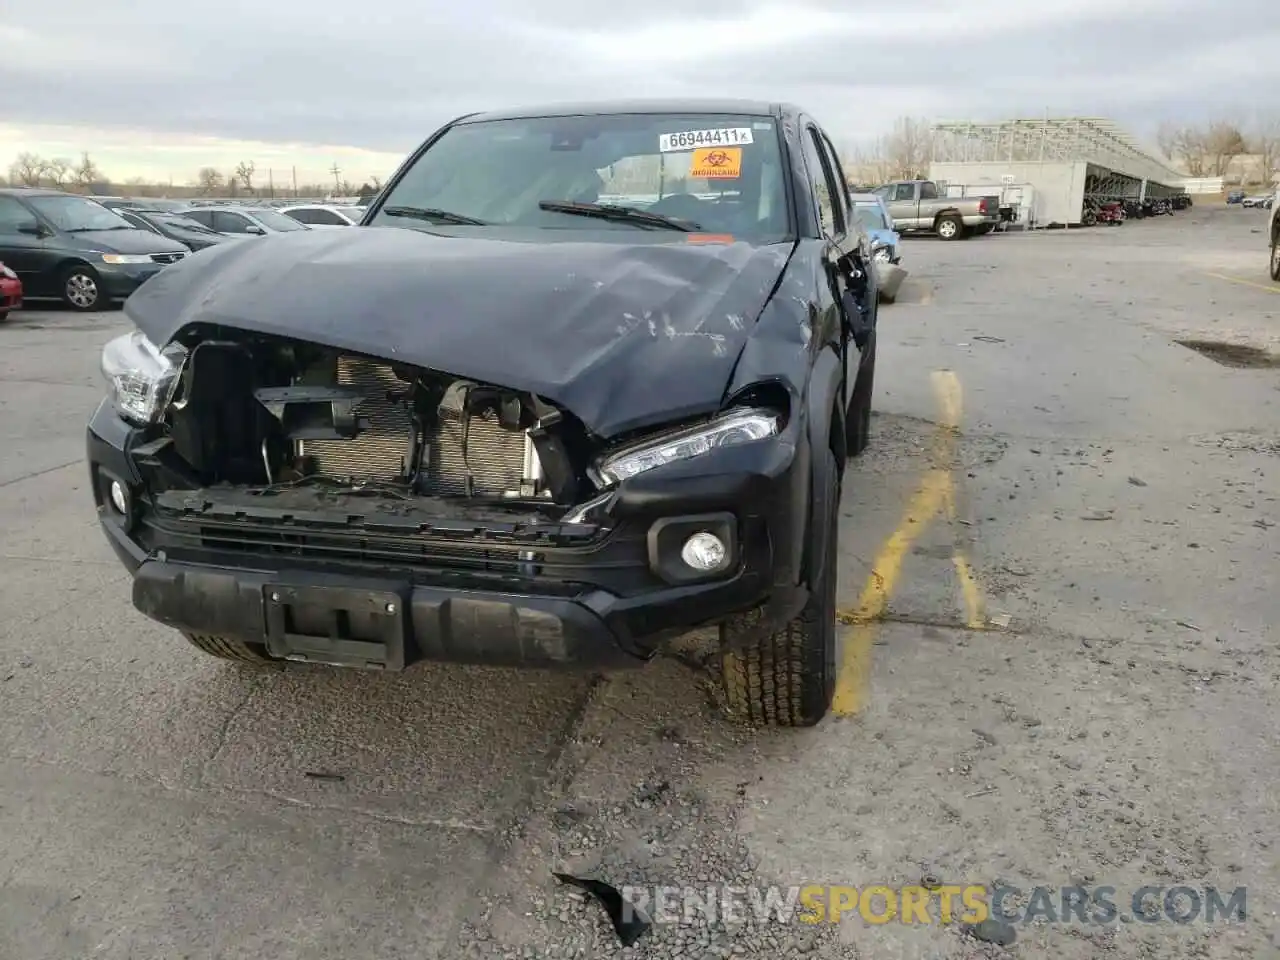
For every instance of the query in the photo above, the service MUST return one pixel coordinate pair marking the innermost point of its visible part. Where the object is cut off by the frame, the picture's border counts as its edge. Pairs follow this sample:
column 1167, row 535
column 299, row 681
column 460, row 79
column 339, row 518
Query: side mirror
column 32, row 229
column 256, row 230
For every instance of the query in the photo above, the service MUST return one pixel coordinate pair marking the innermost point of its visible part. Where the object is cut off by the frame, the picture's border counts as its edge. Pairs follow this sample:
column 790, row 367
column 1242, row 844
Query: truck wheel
column 227, row 649
column 950, row 228
column 787, row 679
column 1275, row 258
column 857, row 418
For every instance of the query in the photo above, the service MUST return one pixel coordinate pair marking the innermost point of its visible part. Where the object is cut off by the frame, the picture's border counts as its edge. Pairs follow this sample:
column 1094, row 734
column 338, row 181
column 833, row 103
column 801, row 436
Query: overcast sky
column 157, row 88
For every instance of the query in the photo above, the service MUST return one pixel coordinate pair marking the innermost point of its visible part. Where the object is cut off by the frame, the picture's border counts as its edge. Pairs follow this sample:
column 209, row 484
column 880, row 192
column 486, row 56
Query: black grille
column 495, row 456
column 167, row 257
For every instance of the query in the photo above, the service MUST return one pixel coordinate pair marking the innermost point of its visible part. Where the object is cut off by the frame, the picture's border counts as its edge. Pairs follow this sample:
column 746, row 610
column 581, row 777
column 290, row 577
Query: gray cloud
column 382, row 77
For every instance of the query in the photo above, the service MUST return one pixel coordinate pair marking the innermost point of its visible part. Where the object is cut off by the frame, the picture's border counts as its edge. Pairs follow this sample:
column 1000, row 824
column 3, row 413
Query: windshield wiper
column 432, row 213
column 620, row 214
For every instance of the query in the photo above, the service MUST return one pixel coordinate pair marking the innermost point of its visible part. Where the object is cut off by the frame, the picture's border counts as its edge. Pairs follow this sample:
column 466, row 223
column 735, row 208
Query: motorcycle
column 1111, row 214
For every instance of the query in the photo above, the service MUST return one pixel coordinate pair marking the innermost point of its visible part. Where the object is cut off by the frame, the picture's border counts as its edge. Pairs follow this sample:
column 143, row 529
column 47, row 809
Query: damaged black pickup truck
column 583, row 379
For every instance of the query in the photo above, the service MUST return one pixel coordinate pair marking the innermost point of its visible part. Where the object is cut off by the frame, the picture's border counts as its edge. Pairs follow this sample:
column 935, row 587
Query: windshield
column 870, row 215
column 76, row 214
column 177, row 222
column 722, row 172
column 276, row 221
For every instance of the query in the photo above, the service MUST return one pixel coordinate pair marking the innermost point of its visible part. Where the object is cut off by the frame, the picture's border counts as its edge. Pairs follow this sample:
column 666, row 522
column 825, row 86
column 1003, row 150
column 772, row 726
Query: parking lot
column 1059, row 583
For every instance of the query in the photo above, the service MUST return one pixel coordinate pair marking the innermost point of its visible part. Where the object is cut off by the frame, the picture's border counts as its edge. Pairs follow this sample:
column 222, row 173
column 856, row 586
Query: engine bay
column 271, row 414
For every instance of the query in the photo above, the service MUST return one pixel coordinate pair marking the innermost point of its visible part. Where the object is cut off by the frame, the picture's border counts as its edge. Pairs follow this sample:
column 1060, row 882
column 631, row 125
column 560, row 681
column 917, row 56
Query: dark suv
column 74, row 249
column 587, row 381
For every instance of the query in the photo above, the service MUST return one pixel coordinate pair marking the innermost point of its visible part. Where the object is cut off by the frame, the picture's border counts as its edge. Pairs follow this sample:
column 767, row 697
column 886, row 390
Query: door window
column 904, row 191
column 327, row 218
column 225, row 222
column 928, row 191
column 14, row 215
column 204, row 217
column 843, row 200
column 824, row 187
column 304, row 215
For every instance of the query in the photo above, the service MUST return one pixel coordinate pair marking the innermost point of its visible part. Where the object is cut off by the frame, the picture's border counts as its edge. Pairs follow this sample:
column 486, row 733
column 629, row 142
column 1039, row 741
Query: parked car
column 10, row 292
column 325, row 216
column 1257, row 200
column 238, row 221
column 192, row 234
column 1274, row 232
column 886, row 253
column 918, row 206
column 1235, row 196
column 72, row 248
column 584, row 428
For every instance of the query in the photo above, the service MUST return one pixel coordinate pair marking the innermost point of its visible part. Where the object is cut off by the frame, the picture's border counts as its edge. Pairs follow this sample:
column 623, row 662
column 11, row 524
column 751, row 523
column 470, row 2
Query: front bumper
column 118, row 280
column 10, row 295
column 376, row 594
column 889, row 278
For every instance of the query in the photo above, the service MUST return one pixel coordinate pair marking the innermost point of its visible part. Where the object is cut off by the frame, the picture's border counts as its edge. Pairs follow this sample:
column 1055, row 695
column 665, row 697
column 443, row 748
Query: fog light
column 704, row 551
column 119, row 499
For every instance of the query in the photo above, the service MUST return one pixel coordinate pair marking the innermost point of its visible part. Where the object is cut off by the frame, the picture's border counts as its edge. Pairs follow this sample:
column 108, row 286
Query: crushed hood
column 624, row 330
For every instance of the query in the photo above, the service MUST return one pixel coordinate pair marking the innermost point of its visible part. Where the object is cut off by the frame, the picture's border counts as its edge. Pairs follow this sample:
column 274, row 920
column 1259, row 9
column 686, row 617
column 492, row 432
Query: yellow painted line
column 1244, row 283
column 854, row 671
column 974, row 618
column 935, row 493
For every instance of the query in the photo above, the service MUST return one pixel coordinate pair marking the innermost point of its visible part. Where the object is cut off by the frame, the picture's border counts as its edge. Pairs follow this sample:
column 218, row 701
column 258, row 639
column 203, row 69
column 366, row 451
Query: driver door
column 848, row 252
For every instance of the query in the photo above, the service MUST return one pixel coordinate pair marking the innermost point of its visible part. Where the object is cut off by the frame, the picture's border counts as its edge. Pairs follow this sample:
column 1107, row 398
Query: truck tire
column 950, row 227
column 1275, row 257
column 227, row 649
column 787, row 679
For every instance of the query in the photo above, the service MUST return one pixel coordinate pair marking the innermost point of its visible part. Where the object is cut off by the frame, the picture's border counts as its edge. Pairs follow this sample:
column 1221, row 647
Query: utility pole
column 336, row 184
column 295, row 181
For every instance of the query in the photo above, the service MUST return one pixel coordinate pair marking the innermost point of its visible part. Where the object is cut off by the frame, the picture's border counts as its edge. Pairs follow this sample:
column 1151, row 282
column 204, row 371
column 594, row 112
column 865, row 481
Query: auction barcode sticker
column 693, row 139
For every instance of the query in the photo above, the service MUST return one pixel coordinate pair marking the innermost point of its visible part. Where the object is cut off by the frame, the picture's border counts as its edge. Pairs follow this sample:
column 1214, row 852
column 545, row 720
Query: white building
column 1047, row 167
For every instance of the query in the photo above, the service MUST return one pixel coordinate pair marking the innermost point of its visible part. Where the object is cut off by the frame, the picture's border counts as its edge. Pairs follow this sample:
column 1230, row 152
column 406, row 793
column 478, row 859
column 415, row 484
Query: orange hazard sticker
column 716, row 163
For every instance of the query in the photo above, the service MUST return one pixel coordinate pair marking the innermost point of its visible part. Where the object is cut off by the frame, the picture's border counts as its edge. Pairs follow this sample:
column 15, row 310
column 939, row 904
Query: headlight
column 882, row 252
column 7, row 273
column 126, row 258
column 729, row 429
column 141, row 376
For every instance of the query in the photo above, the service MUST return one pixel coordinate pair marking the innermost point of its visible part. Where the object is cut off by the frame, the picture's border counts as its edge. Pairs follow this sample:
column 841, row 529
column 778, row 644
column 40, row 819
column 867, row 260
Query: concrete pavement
column 1059, row 580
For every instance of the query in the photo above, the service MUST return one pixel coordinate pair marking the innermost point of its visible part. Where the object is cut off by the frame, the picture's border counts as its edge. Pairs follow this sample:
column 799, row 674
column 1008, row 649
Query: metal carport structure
column 1068, row 159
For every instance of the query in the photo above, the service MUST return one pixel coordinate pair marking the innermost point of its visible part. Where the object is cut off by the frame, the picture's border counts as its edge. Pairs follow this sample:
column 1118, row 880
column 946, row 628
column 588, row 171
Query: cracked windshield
column 640, row 483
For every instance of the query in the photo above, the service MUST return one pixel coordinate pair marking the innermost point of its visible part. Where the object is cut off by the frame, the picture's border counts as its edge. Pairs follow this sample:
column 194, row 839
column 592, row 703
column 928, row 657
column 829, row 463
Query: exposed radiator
column 499, row 459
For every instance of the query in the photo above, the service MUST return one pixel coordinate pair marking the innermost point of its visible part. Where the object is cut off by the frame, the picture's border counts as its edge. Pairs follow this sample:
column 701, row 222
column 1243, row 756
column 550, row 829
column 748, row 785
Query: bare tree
column 210, row 180
column 58, row 171
column 1265, row 142
column 908, row 148
column 376, row 183
column 27, row 169
column 87, row 172
column 1167, row 139
column 244, row 173
column 1223, row 143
